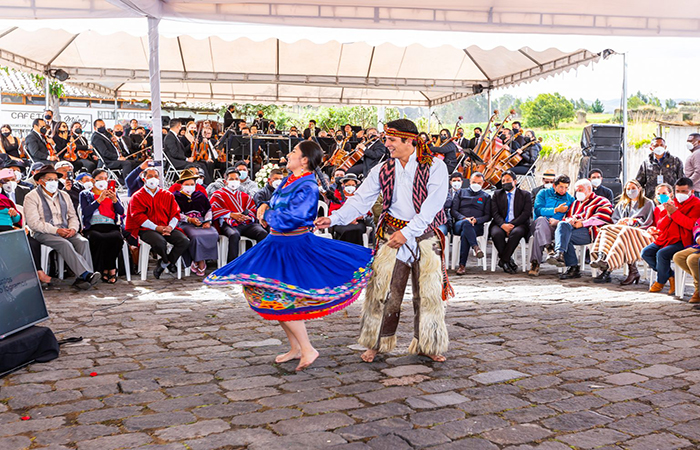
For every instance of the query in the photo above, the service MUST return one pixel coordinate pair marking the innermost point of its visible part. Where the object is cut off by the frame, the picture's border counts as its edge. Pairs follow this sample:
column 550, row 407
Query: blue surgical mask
column 663, row 198
column 243, row 175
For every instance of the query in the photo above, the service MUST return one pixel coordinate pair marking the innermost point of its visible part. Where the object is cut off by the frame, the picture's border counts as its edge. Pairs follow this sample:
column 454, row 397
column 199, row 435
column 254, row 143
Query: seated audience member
column 153, row 216
column 672, row 232
column 65, row 183
column 456, row 185
column 14, row 189
column 195, row 221
column 470, row 209
column 580, row 226
column 11, row 219
column 623, row 241
column 547, row 182
column 234, row 213
column 133, row 180
column 596, row 178
column 19, row 168
column 551, row 205
column 353, row 231
column 265, row 194
column 247, row 186
column 338, row 176
column 84, row 182
column 689, row 261
column 102, row 211
column 51, row 215
column 199, row 187
column 511, row 210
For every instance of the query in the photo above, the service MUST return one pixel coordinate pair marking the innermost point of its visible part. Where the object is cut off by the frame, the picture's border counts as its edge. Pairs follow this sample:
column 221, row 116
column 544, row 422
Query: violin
column 70, row 151
column 203, row 153
column 50, row 148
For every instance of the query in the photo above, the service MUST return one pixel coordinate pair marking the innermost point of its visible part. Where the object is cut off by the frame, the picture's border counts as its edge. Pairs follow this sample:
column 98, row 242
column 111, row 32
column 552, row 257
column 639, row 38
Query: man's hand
column 507, row 227
column 63, row 232
column 561, row 208
column 196, row 222
column 190, row 159
column 472, row 220
column 144, row 164
column 121, row 158
column 577, row 224
column 206, row 225
column 553, row 222
column 396, row 240
column 322, row 223
column 670, row 207
column 238, row 217
column 71, row 233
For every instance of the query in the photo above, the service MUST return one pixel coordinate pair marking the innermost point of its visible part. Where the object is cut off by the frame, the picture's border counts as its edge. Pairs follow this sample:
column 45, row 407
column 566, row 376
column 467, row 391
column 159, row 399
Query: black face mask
column 102, row 130
column 260, row 115
column 118, row 133
column 372, row 136
column 78, row 131
column 42, row 130
column 443, row 137
column 48, row 117
column 6, row 133
column 476, row 135
column 339, row 138
column 337, row 180
column 508, row 186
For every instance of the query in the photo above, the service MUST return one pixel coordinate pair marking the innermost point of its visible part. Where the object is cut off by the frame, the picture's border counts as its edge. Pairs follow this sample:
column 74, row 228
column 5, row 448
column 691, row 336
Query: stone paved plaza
column 533, row 364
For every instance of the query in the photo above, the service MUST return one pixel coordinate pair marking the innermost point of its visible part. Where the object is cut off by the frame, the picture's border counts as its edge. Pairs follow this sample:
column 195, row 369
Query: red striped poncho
column 593, row 207
column 225, row 201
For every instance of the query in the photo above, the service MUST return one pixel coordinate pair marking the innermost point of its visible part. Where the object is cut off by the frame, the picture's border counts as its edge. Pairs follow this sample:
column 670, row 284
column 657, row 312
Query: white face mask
column 581, row 196
column 101, row 184
column 632, row 193
column 233, row 184
column 87, row 185
column 476, row 187
column 276, row 183
column 188, row 190
column 349, row 189
column 659, row 151
column 456, row 185
column 682, row 197
column 152, row 183
column 9, row 187
column 548, row 185
column 200, row 181
column 689, row 145
column 243, row 175
column 18, row 175
column 51, row 186
column 596, row 182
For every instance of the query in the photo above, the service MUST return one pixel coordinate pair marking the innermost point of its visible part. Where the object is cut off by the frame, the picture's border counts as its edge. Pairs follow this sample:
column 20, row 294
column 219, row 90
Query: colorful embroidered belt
column 296, row 232
column 389, row 224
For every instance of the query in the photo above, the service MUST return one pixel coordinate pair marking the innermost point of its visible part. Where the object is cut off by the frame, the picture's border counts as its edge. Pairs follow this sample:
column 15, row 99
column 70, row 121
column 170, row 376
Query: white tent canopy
column 597, row 17
column 273, row 70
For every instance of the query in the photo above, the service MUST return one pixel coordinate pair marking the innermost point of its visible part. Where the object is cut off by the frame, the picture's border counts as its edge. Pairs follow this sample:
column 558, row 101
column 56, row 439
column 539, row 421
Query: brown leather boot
column 656, row 287
column 632, row 277
column 672, row 286
column 695, row 298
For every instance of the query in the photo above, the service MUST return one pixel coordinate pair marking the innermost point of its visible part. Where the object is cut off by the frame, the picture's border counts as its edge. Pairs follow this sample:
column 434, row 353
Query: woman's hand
column 261, row 212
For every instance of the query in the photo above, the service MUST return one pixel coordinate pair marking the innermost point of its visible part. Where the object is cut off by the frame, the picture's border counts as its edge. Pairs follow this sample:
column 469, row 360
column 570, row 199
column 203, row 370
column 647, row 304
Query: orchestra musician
column 477, row 134
column 375, row 151
column 447, row 148
column 106, row 145
column 520, row 138
column 37, row 144
column 189, row 138
column 311, row 130
column 213, row 154
column 260, row 122
column 228, row 116
column 50, row 123
column 461, row 140
column 177, row 154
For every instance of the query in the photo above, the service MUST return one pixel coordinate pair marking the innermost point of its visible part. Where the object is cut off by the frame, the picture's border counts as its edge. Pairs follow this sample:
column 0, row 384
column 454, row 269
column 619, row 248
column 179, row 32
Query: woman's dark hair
column 312, row 151
column 447, row 132
column 99, row 171
column 3, row 140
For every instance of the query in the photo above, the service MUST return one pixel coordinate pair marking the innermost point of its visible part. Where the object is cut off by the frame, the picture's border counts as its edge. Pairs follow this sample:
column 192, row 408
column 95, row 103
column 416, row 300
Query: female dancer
column 286, row 277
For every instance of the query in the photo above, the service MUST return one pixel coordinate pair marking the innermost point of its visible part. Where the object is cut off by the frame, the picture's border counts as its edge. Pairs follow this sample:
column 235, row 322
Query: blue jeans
column 659, row 259
column 566, row 237
column 467, row 233
column 444, row 227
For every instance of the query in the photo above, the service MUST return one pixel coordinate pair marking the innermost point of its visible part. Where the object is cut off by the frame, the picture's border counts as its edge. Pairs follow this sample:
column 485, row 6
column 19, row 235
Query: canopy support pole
column 154, row 75
column 490, row 109
column 624, row 119
column 430, row 117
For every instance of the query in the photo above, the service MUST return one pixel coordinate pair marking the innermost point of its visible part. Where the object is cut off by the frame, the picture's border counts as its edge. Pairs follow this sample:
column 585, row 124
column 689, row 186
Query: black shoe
column 557, row 259
column 506, row 268
column 172, row 268
column 94, row 278
column 158, row 271
column 571, row 272
column 512, row 265
column 549, row 248
column 81, row 283
column 604, row 277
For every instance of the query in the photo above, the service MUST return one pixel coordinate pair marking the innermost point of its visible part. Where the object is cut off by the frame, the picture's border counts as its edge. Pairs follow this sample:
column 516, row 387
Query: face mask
column 9, row 187
column 508, row 187
column 152, row 183
column 101, row 184
column 456, row 185
column 42, row 130
column 581, row 196
column 663, row 198
column 476, row 135
column 337, row 180
column 260, row 115
column 188, row 190
column 372, row 136
column 689, row 145
column 102, row 130
column 78, row 131
column 349, row 189
column 118, row 133
column 548, row 185
column 632, row 193
column 276, row 183
column 596, row 182
column 200, row 181
column 443, row 137
column 48, row 117
column 18, row 175
column 243, row 175
column 6, row 133
column 62, row 181
column 88, row 185
column 233, row 184
column 682, row 197
column 658, row 151
column 51, row 186
column 476, row 187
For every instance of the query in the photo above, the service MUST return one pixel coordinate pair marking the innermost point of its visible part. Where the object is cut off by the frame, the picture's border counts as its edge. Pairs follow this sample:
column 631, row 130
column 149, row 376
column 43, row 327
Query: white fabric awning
column 273, row 70
column 595, row 17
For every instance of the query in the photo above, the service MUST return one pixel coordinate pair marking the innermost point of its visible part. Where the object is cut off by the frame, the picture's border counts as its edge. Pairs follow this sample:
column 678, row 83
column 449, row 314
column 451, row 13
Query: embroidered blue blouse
column 293, row 206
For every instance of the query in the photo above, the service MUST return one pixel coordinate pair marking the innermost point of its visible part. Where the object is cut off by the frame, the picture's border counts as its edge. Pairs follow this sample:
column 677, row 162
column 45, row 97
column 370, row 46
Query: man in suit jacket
column 374, row 152
column 461, row 140
column 177, row 154
column 228, row 116
column 511, row 211
column 35, row 143
column 113, row 156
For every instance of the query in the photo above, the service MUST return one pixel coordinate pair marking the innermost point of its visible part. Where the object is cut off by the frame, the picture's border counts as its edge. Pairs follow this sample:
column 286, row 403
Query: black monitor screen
column 21, row 299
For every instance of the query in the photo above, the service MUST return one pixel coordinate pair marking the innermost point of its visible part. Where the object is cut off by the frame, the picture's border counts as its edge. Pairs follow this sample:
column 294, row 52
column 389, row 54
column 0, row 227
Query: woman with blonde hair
column 622, row 242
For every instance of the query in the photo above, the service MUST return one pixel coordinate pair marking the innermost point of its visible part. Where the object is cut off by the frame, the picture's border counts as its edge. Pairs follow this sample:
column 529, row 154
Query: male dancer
column 413, row 186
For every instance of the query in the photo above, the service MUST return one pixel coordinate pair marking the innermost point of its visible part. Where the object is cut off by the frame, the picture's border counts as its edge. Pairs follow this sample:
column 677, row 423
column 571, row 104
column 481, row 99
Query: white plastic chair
column 45, row 252
column 125, row 256
column 681, row 279
column 223, row 248
column 144, row 254
column 483, row 241
column 523, row 254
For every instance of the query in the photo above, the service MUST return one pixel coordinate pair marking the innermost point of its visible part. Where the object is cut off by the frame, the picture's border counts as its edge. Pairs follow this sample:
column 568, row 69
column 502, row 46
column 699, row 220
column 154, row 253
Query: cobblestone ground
column 533, row 364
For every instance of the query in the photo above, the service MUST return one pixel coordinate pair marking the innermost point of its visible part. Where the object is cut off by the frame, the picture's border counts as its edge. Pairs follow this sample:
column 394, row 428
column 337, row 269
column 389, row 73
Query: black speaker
column 602, row 135
column 609, row 170
column 606, row 155
column 615, row 185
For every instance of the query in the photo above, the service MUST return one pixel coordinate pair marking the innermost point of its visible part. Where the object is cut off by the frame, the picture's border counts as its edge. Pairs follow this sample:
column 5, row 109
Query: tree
column 597, row 106
column 671, row 103
column 547, row 110
column 582, row 105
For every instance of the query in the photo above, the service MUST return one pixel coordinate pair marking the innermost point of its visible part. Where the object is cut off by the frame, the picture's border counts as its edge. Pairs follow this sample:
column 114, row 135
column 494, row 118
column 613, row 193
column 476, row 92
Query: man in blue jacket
column 550, row 207
column 471, row 209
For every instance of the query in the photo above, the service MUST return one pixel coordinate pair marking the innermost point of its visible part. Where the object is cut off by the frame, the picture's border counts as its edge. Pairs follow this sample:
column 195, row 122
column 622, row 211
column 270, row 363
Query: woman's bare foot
column 290, row 355
column 436, row 358
column 43, row 277
column 369, row 355
column 307, row 360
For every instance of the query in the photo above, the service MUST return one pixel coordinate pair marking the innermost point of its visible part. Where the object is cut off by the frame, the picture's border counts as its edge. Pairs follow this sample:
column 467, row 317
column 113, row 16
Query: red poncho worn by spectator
column 679, row 225
column 594, row 211
column 226, row 201
column 160, row 209
column 177, row 187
